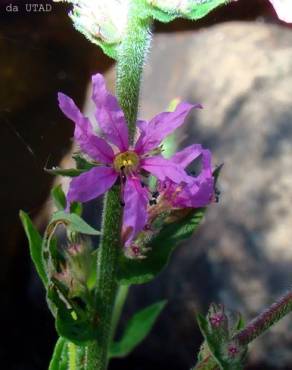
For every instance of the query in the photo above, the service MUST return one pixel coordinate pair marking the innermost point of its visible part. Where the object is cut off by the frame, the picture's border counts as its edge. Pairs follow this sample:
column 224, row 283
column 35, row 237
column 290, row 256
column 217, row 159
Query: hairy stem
column 106, row 286
column 131, row 57
column 265, row 320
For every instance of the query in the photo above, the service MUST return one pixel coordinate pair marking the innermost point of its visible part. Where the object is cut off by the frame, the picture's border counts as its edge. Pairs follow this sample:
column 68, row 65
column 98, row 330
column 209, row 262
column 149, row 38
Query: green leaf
column 69, row 172
column 59, row 359
column 77, row 208
column 59, row 197
column 67, row 356
column 217, row 344
column 165, row 11
column 81, row 162
column 71, row 323
column 75, row 223
column 137, row 329
column 139, row 271
column 212, row 345
column 35, row 246
column 110, row 49
column 201, row 10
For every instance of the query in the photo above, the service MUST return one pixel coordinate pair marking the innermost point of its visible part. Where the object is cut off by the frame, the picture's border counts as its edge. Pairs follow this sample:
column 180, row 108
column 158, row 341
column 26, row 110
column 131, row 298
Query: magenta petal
column 142, row 127
column 187, row 155
column 108, row 114
column 197, row 194
column 165, row 169
column 163, row 125
column 89, row 143
column 135, row 211
column 91, row 184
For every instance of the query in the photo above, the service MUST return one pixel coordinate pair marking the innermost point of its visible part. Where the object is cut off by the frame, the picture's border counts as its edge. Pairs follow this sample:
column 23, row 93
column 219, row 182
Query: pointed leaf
column 67, row 356
column 35, row 246
column 59, row 197
column 71, row 323
column 68, row 172
column 59, row 359
column 76, row 207
column 139, row 271
column 137, row 330
column 81, row 162
column 75, row 222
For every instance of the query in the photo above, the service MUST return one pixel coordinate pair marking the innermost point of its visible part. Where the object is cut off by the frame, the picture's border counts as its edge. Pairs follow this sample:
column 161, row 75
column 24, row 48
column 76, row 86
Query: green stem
column 118, row 308
column 131, row 58
column 106, row 286
column 129, row 69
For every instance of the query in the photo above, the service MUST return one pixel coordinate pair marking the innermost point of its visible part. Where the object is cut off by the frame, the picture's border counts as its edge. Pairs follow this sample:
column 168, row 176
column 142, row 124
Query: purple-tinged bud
column 135, row 252
column 78, row 269
column 216, row 320
column 75, row 249
column 233, row 350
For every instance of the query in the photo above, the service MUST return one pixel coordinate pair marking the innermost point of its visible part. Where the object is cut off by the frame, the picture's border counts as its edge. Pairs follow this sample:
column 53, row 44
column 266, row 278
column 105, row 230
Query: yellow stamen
column 126, row 162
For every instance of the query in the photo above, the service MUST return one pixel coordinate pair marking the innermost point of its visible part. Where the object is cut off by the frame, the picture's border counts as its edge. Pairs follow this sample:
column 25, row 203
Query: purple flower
column 199, row 191
column 122, row 160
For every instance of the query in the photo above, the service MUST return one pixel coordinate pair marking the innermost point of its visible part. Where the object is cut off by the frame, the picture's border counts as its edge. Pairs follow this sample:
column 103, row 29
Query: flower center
column 126, row 162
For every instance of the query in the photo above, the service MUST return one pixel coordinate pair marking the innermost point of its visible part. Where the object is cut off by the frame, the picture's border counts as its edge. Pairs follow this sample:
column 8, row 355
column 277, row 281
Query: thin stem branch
column 265, row 320
column 118, row 308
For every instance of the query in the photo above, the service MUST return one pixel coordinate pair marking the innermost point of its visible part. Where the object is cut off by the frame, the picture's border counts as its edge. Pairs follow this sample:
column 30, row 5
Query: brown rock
column 242, row 255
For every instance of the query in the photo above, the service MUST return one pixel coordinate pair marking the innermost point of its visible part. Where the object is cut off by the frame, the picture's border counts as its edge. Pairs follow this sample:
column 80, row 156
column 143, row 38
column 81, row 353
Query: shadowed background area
column 241, row 72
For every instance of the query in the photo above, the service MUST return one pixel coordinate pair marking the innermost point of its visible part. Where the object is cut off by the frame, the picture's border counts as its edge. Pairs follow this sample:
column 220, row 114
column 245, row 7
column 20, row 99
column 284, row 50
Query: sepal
column 168, row 10
column 179, row 226
column 73, row 222
column 219, row 348
column 71, row 320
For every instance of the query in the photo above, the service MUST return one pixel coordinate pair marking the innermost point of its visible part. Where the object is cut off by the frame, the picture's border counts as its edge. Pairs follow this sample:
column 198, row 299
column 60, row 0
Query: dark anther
column 217, row 195
column 152, row 202
column 122, row 203
column 122, row 168
column 192, row 173
column 155, row 194
column 143, row 184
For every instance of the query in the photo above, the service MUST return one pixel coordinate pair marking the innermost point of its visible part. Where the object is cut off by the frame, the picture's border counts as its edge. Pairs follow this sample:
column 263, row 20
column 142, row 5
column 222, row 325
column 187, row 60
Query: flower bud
column 218, row 321
column 77, row 270
column 101, row 20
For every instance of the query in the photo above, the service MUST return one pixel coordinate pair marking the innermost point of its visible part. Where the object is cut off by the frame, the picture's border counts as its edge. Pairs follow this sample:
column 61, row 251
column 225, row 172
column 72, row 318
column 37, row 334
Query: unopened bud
column 99, row 19
column 232, row 350
column 77, row 270
column 79, row 259
column 218, row 319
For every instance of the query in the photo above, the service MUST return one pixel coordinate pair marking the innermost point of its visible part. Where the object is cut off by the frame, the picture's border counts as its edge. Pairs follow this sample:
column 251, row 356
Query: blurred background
column 237, row 62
